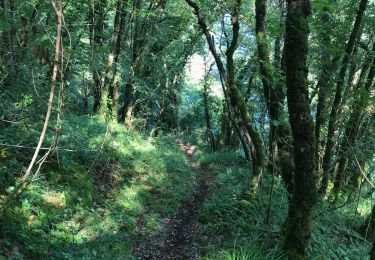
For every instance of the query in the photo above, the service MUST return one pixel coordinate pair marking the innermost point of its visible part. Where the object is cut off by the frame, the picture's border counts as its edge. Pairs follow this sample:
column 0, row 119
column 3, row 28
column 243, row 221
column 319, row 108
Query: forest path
column 179, row 238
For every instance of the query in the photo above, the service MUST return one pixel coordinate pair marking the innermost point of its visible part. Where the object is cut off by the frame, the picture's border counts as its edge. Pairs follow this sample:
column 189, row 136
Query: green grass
column 235, row 228
column 92, row 202
column 117, row 186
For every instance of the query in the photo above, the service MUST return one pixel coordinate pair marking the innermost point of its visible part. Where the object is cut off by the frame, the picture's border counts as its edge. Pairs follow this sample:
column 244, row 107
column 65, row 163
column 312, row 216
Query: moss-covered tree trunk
column 138, row 42
column 239, row 105
column 96, row 39
column 368, row 230
column 298, row 223
column 236, row 99
column 280, row 155
column 337, row 103
column 112, row 59
column 207, row 115
column 271, row 93
column 114, row 87
column 328, row 65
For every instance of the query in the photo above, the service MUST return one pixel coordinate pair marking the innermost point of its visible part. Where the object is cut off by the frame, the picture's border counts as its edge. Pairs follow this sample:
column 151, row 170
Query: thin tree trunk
column 114, row 87
column 58, row 9
column 279, row 150
column 265, row 69
column 138, row 46
column 113, row 55
column 140, row 41
column 234, row 94
column 96, row 40
column 209, row 132
column 298, row 223
column 328, row 67
column 353, row 127
column 337, row 103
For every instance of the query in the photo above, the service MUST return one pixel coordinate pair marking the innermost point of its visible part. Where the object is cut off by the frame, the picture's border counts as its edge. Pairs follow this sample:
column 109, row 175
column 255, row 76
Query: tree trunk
column 114, row 87
column 279, row 151
column 210, row 134
column 140, row 40
column 298, row 223
column 338, row 96
column 112, row 59
column 234, row 94
column 265, row 68
column 239, row 105
column 96, row 40
column 353, row 126
column 327, row 69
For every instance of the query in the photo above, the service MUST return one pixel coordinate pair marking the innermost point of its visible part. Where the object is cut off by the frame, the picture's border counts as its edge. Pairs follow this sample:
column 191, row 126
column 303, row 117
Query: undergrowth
column 234, row 224
column 105, row 189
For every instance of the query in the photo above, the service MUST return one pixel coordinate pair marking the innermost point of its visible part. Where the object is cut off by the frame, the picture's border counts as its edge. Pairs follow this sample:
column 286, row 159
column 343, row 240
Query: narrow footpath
column 179, row 238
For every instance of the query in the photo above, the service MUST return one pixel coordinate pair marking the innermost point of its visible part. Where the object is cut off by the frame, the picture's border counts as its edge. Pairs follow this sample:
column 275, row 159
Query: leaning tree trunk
column 298, row 223
column 337, row 103
column 352, row 129
column 237, row 102
column 239, row 105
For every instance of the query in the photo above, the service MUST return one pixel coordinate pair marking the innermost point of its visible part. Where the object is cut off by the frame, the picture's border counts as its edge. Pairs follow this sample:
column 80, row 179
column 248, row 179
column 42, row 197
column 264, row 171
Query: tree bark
column 234, row 94
column 140, row 40
column 298, row 223
column 112, row 58
column 337, row 103
column 361, row 100
column 114, row 87
column 59, row 14
column 210, row 134
column 327, row 68
column 96, row 40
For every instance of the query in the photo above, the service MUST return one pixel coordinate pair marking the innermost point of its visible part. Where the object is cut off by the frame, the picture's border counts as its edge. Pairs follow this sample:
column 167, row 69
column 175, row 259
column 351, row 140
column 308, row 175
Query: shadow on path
column 179, row 236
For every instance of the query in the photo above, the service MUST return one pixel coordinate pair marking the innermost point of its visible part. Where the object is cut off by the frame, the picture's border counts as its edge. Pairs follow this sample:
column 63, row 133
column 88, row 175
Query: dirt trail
column 180, row 233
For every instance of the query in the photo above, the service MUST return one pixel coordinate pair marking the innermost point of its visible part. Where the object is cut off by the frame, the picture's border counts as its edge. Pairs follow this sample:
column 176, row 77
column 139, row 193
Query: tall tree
column 206, row 87
column 97, row 39
column 337, row 103
column 298, row 223
column 361, row 99
column 328, row 65
column 142, row 28
column 227, row 74
column 112, row 60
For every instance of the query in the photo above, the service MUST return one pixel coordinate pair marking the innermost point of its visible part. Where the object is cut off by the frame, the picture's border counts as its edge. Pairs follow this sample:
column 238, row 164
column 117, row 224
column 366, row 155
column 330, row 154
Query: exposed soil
column 179, row 236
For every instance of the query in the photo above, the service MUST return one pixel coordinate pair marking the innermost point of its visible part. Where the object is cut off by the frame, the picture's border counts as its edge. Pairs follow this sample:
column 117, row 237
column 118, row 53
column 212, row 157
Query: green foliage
column 235, row 228
column 107, row 188
column 89, row 202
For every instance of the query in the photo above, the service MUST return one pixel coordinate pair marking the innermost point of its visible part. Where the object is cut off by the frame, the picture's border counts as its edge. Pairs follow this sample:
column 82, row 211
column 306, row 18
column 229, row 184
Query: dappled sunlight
column 187, row 129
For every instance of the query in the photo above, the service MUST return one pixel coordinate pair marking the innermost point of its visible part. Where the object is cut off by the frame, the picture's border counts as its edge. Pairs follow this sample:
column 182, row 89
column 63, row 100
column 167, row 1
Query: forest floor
column 126, row 195
column 179, row 237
